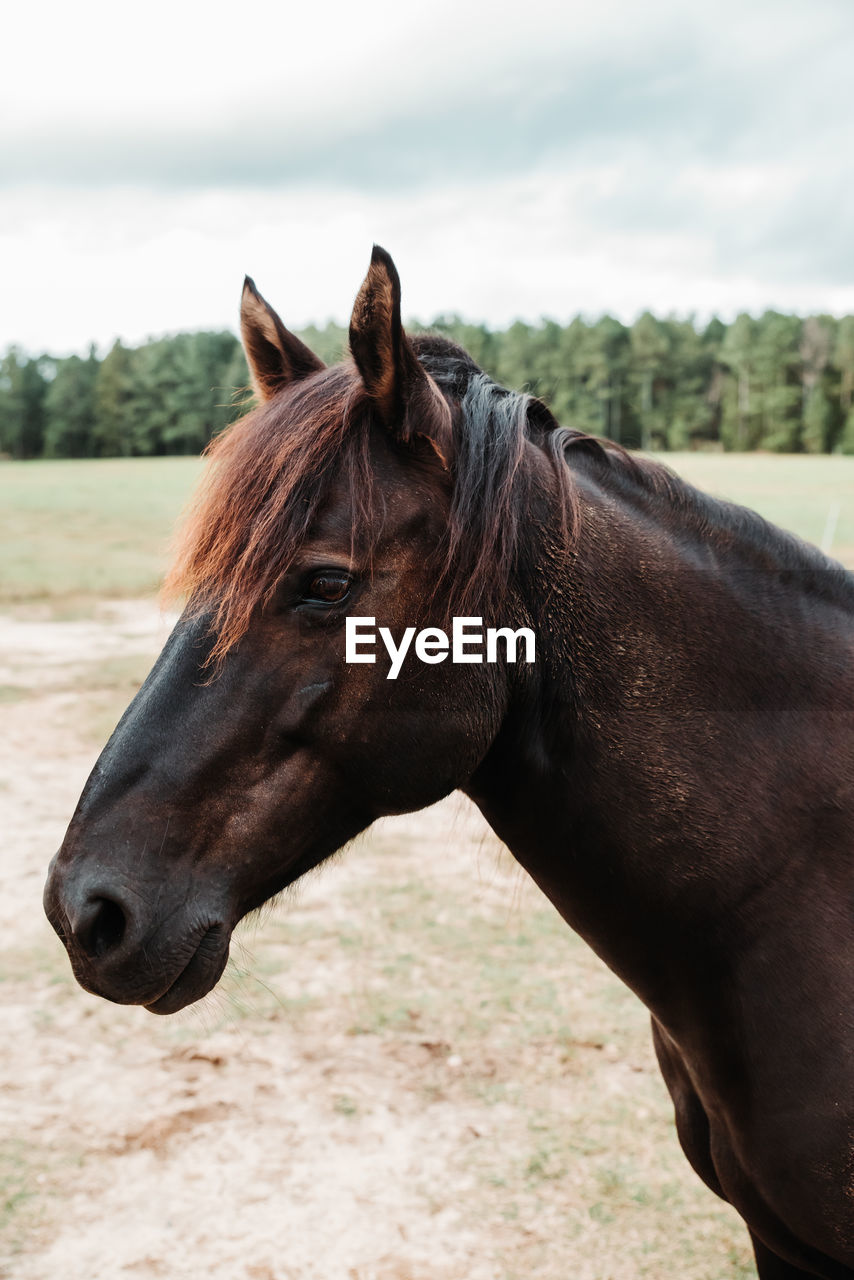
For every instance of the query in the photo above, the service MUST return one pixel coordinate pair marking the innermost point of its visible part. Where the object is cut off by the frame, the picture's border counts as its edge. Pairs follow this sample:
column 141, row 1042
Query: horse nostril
column 101, row 927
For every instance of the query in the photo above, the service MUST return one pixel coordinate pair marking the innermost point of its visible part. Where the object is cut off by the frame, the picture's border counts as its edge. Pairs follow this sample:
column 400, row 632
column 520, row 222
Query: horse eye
column 328, row 587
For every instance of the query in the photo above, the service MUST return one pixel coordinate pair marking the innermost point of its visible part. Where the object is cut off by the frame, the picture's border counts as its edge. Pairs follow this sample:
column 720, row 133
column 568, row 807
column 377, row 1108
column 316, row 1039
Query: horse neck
column 638, row 773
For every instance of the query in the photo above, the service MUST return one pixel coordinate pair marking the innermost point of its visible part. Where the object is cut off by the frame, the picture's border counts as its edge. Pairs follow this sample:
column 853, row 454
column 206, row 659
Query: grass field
column 797, row 493
column 77, row 531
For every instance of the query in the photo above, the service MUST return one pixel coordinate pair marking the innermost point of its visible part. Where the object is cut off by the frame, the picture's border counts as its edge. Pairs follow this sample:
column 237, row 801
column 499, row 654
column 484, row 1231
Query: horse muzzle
column 161, row 949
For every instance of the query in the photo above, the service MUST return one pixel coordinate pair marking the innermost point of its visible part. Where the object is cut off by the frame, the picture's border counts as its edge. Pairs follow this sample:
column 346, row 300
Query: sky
column 517, row 160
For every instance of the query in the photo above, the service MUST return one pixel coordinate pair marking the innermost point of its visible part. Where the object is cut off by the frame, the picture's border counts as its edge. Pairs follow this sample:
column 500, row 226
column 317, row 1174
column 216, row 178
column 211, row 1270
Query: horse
column 675, row 769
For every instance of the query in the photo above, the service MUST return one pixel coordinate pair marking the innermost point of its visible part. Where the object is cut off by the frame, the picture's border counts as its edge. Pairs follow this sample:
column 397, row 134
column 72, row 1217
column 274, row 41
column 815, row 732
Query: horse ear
column 406, row 398
column 276, row 357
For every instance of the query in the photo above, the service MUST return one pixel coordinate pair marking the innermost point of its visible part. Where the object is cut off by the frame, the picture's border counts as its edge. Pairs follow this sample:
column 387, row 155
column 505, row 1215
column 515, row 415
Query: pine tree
column 23, row 386
column 112, row 434
column 69, row 408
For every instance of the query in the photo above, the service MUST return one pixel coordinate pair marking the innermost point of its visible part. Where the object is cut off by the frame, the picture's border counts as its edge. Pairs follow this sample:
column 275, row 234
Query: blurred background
column 412, row 1070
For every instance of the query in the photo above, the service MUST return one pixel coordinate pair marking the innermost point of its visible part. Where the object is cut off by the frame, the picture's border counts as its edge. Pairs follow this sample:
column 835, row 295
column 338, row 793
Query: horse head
column 254, row 749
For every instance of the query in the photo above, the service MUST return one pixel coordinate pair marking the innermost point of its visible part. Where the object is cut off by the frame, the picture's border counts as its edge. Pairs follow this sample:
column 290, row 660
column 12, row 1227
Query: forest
column 778, row 382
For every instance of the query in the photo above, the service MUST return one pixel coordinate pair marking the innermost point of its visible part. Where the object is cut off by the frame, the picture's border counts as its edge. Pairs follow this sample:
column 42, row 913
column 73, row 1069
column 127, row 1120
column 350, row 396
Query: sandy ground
column 258, row 1136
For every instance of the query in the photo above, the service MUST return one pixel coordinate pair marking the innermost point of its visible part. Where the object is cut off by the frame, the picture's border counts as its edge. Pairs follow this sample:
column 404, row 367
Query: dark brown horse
column 676, row 768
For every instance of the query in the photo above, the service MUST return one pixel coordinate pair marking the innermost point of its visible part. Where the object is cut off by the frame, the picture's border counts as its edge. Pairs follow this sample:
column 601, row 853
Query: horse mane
column 271, row 471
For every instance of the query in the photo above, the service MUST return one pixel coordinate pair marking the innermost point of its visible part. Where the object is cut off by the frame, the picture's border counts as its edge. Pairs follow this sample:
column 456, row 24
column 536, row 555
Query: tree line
column 777, row 382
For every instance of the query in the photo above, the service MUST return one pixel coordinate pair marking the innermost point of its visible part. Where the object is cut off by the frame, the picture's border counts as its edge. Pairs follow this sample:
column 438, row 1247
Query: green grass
column 794, row 492
column 12, row 693
column 77, row 531
column 89, row 529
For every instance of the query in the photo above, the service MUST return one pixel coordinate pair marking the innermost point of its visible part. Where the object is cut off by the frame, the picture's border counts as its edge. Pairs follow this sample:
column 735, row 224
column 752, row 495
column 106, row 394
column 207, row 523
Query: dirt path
column 418, row 1074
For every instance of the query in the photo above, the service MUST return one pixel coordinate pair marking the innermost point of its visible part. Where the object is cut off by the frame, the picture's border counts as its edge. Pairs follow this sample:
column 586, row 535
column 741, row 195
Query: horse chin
column 198, row 977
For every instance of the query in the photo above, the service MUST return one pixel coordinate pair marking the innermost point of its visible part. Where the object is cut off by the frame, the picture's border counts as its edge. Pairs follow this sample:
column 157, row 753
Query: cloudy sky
column 517, row 159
